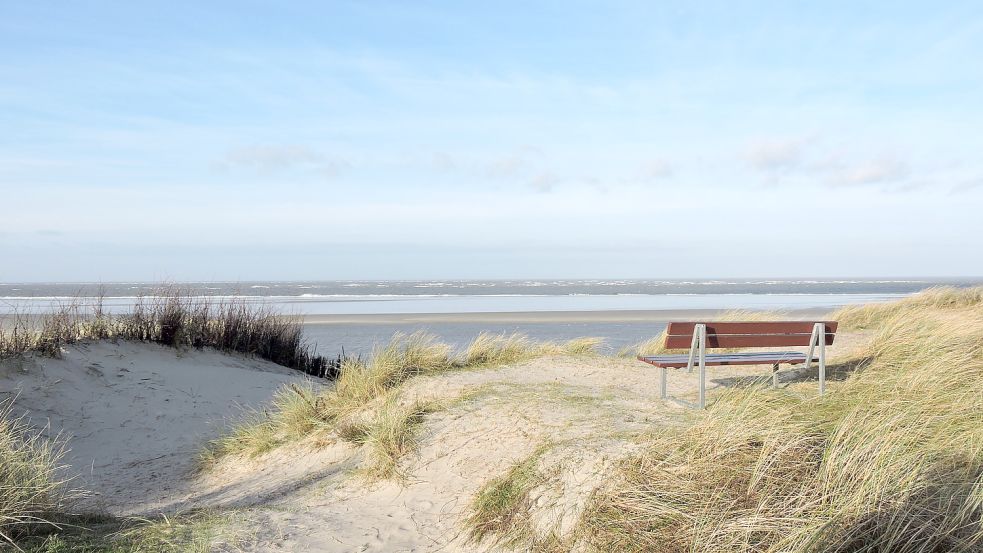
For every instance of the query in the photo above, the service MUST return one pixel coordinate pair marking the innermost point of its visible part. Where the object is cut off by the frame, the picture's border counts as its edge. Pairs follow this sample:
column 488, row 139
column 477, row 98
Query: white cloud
column 966, row 186
column 656, row 170
column 270, row 159
column 808, row 160
column 544, row 182
column 776, row 155
column 521, row 161
column 442, row 161
column 882, row 171
column 507, row 166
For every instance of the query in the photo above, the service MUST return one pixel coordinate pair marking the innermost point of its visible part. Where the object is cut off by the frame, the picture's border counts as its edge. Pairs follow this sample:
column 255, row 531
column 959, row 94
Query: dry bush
column 172, row 318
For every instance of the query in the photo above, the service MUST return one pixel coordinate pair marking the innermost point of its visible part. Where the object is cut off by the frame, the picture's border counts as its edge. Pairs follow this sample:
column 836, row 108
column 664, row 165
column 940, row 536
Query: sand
column 594, row 411
column 138, row 414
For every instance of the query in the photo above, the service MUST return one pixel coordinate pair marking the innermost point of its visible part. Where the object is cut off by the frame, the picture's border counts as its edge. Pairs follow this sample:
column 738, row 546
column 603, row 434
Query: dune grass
column 891, row 460
column 500, row 510
column 36, row 513
column 173, row 318
column 393, row 433
column 31, row 492
column 364, row 407
column 941, row 298
column 197, row 532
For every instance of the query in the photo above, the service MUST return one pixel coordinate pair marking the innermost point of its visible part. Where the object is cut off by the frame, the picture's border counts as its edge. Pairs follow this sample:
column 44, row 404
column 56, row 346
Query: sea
column 353, row 316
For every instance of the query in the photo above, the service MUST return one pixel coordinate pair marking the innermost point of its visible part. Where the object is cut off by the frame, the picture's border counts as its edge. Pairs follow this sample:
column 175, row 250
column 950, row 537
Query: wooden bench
column 698, row 337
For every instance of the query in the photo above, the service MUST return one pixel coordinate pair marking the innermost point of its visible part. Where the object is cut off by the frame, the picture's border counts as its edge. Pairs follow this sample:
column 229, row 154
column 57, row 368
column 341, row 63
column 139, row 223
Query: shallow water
column 366, row 298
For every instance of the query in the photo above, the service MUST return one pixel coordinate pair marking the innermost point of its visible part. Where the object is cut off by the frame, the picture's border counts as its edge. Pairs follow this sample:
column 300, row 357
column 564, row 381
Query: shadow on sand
column 834, row 372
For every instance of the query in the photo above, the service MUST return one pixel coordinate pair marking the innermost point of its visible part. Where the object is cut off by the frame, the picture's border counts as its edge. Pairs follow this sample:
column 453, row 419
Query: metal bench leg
column 774, row 375
column 812, row 343
column 665, row 382
column 822, row 362
column 693, row 345
column 702, row 329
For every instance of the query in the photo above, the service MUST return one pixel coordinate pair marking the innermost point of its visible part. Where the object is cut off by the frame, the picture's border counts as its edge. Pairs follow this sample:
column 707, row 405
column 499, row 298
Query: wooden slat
column 751, row 327
column 748, row 334
column 757, row 358
column 745, row 340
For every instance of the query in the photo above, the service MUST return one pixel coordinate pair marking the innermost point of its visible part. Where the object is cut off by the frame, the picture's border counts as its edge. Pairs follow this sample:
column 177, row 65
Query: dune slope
column 135, row 414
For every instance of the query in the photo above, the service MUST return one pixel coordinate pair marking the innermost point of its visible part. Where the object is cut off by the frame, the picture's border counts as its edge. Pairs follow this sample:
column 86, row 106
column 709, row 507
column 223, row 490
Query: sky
column 401, row 140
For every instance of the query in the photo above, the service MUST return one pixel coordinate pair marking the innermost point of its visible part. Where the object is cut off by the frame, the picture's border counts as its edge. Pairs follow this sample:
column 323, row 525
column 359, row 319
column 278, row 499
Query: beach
column 358, row 334
column 498, row 442
column 352, row 317
column 491, row 277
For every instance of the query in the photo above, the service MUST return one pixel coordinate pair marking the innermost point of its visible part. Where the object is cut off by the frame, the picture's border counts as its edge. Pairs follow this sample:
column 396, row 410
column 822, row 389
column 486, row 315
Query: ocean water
column 313, row 298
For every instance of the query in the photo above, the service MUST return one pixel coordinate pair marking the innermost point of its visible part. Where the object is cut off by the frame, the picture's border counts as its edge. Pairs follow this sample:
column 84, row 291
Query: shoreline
column 605, row 316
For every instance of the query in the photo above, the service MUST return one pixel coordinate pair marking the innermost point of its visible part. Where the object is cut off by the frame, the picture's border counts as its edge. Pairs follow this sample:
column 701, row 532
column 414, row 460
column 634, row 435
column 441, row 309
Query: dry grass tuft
column 294, row 414
column 196, row 532
column 392, row 434
column 941, row 298
column 31, row 493
column 891, row 460
column 501, row 508
column 363, row 406
column 500, row 349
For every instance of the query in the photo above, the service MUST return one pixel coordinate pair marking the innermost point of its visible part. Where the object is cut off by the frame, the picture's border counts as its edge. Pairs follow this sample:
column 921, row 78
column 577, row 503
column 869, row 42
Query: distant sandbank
column 539, row 316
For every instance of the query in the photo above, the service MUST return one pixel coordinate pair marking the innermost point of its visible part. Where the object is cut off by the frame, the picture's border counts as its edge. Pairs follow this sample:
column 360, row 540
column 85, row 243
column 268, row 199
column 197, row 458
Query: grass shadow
column 836, row 372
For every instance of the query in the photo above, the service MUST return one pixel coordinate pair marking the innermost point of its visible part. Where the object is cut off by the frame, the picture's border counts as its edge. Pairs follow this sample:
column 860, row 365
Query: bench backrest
column 748, row 334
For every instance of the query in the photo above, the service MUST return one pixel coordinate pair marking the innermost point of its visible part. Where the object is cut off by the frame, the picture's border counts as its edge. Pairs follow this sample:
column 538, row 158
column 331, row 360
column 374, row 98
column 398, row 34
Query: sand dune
column 137, row 415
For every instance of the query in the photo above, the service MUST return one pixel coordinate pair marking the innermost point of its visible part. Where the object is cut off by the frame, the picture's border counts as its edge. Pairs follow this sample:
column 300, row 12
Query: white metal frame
column 818, row 338
column 698, row 355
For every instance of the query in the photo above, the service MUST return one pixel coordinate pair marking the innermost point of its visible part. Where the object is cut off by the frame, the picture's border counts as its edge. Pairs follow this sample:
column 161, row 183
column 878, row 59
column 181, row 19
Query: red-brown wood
column 748, row 334
column 751, row 327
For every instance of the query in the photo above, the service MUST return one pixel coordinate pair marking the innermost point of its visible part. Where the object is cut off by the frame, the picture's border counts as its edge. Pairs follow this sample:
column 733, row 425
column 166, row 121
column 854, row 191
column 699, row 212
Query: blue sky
column 246, row 140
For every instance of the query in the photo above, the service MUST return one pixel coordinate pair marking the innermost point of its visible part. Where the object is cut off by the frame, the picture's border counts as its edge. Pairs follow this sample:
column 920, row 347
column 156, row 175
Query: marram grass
column 31, row 491
column 941, row 298
column 363, row 405
column 194, row 532
column 392, row 433
column 37, row 513
column 890, row 460
column 500, row 510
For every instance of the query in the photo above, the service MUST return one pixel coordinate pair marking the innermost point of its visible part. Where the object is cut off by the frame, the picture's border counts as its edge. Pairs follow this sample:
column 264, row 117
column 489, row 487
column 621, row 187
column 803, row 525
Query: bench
column 698, row 337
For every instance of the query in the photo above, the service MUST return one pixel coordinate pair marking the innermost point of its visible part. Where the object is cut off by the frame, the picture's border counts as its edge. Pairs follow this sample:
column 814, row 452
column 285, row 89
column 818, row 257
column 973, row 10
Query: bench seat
column 749, row 358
